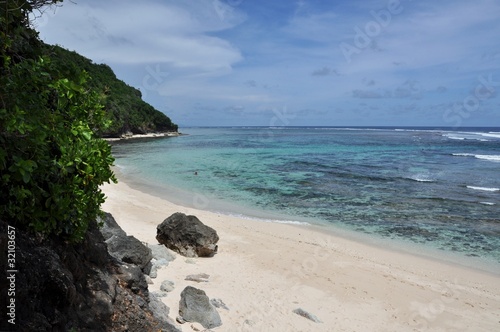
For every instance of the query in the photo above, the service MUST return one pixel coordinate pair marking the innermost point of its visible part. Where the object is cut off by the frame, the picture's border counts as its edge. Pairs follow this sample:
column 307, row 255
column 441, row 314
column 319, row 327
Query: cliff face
column 62, row 287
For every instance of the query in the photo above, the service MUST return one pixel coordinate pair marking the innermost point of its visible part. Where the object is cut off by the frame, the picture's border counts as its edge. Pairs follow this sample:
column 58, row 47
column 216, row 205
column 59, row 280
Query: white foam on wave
column 350, row 129
column 421, row 179
column 276, row 221
column 420, row 130
column 483, row 188
column 289, row 222
column 491, row 134
column 488, row 157
column 487, row 203
column 450, row 136
column 479, row 156
column 477, row 136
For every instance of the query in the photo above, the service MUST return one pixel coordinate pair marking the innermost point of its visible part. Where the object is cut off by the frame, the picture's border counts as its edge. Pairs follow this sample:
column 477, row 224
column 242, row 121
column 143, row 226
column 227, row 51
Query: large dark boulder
column 188, row 236
column 127, row 249
column 195, row 306
column 109, row 226
column 130, row 250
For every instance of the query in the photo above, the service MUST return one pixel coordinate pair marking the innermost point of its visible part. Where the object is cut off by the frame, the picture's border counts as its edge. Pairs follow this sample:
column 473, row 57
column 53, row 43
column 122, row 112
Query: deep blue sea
column 423, row 188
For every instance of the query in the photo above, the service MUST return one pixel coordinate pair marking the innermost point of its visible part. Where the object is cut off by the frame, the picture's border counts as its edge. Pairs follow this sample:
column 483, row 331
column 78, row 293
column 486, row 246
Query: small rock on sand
column 167, row 286
column 305, row 314
column 201, row 277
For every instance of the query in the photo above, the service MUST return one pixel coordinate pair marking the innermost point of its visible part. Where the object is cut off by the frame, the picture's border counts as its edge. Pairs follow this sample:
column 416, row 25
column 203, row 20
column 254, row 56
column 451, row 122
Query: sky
column 296, row 63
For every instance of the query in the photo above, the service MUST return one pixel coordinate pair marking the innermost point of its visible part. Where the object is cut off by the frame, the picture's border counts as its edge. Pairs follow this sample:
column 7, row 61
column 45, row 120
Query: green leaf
column 26, row 176
column 87, row 135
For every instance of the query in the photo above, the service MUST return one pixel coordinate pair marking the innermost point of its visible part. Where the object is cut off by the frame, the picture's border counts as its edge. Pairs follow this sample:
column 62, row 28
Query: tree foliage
column 52, row 161
column 123, row 103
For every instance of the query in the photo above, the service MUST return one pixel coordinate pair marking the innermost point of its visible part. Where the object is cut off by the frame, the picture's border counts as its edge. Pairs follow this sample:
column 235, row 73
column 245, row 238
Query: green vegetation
column 54, row 107
column 123, row 103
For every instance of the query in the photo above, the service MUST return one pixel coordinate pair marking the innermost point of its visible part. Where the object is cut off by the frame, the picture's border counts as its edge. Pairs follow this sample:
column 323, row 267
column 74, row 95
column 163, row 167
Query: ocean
column 427, row 190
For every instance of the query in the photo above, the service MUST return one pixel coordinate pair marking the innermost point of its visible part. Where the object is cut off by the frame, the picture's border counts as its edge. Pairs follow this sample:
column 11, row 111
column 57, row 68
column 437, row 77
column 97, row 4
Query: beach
column 263, row 271
column 138, row 136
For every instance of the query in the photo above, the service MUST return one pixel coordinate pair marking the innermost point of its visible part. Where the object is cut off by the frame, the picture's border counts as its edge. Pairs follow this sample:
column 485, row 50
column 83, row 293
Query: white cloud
column 132, row 32
column 181, row 52
column 438, row 34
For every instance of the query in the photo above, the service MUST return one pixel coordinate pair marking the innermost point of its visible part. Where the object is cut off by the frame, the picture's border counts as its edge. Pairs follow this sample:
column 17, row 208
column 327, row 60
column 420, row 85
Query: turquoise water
column 426, row 187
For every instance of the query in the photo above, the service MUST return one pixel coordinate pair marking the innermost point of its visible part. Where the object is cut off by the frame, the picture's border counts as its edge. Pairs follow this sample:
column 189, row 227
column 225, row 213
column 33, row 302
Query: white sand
column 138, row 136
column 263, row 271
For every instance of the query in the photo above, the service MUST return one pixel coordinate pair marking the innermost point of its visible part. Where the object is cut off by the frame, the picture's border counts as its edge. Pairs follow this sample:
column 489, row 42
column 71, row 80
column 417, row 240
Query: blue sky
column 274, row 63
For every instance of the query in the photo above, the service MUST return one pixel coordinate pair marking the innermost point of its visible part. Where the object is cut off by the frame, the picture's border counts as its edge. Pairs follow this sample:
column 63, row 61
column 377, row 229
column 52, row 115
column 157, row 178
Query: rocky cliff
column 57, row 286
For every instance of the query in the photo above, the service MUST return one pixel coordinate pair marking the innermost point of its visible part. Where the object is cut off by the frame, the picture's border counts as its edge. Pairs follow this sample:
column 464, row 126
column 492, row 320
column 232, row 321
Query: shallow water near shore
column 422, row 188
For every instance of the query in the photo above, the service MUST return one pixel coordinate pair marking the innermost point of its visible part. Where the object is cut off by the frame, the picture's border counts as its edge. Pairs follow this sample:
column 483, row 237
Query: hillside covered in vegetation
column 55, row 107
column 122, row 103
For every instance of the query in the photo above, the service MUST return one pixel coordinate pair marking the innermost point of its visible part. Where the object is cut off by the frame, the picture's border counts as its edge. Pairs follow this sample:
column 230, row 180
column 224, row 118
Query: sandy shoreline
column 264, row 271
column 138, row 136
